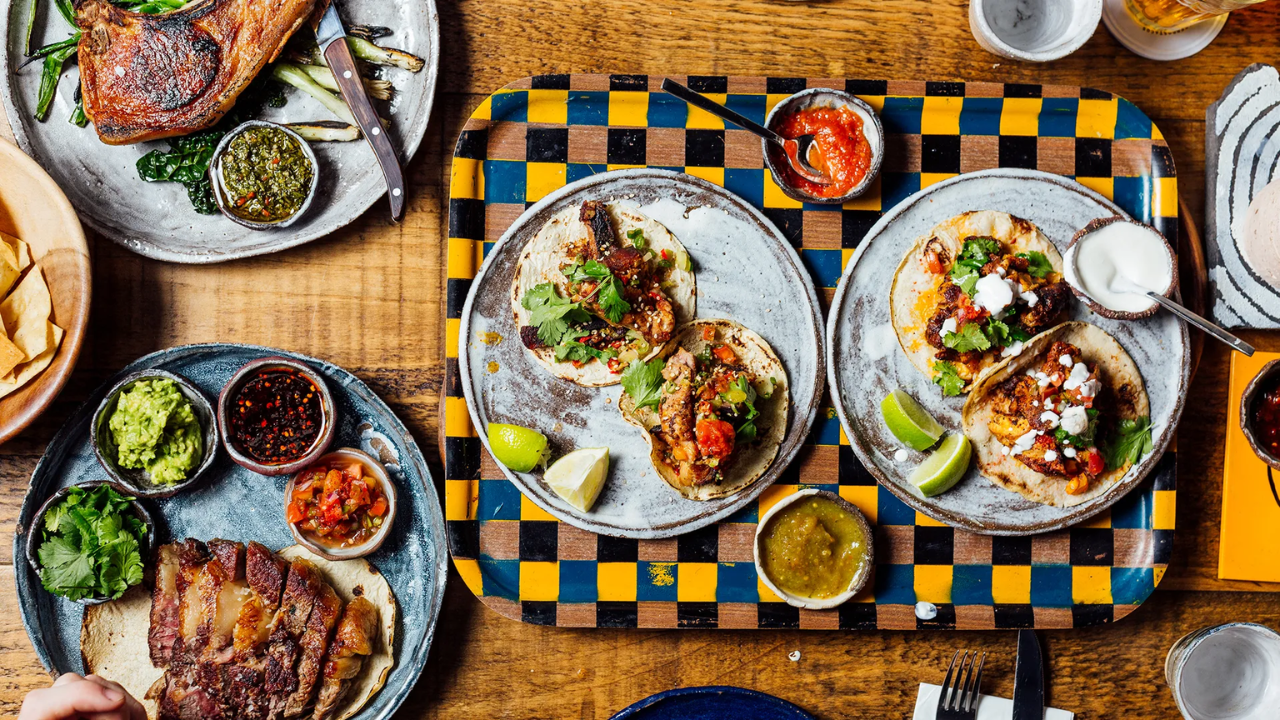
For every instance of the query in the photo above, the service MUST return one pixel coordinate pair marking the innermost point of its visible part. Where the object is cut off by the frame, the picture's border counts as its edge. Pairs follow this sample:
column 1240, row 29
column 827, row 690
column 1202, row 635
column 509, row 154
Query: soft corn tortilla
column 1124, row 393
column 113, row 635
column 750, row 463
column 550, row 249
column 914, row 296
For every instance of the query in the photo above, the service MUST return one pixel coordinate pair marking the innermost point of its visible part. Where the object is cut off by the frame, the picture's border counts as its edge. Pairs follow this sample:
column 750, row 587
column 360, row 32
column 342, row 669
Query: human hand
column 89, row 698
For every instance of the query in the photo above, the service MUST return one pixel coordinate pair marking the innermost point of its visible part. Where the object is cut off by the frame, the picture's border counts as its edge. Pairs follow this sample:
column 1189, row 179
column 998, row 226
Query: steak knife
column 1028, row 679
column 338, row 56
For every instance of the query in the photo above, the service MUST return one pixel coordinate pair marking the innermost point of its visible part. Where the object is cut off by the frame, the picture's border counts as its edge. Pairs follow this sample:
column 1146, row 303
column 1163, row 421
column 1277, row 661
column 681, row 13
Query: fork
column 959, row 700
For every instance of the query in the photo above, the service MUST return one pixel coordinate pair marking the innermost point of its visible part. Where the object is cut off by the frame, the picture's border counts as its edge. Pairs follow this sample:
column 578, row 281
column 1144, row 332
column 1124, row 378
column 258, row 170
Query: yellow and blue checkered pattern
column 540, row 133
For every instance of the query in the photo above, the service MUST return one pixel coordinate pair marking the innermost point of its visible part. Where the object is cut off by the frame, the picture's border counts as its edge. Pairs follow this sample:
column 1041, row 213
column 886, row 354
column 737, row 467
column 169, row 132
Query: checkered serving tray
column 541, row 133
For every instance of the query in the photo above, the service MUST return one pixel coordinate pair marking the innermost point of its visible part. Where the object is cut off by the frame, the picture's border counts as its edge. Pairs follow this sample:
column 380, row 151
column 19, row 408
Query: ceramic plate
column 746, row 271
column 865, row 361
column 156, row 219
column 234, row 503
column 712, row 703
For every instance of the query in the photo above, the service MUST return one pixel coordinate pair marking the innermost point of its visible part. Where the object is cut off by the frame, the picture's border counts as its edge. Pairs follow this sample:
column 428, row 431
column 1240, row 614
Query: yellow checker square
column 771, row 101
column 470, row 572
column 699, row 119
column 1104, row 186
column 1164, row 509
column 766, row 595
column 846, row 254
column 611, row 167
column 548, row 106
column 1157, row 574
column 530, row 510
column 616, row 581
column 457, row 422
column 460, row 498
column 774, row 197
column 1096, row 119
column 941, row 116
column 1091, row 585
column 1020, row 116
column 540, row 581
column 1101, row 521
column 1011, row 584
column 868, row 200
column 863, row 497
column 466, row 179
column 710, row 174
column 465, row 256
column 629, row 109
column 484, row 111
column 844, row 439
column 696, row 583
column 541, row 178
column 923, row 520
column 875, row 101
column 927, row 179
column 773, row 494
column 451, row 326
column 1164, row 197
column 933, row 583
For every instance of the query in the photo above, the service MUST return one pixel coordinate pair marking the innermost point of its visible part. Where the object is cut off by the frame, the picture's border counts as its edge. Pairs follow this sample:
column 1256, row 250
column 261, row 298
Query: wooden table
column 371, row 298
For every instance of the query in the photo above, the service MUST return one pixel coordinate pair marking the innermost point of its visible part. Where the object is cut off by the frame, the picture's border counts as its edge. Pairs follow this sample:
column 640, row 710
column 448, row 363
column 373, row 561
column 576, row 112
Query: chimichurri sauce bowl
column 264, row 175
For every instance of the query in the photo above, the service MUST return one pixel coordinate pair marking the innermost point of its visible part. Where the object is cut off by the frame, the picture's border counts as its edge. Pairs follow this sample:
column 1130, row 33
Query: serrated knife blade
column 1028, row 678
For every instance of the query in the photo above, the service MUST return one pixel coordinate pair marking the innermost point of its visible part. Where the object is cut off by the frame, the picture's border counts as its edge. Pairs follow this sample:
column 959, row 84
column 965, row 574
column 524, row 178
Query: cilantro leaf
column 571, row 349
column 970, row 337
column 636, row 236
column 1003, row 334
column 551, row 314
column 746, row 432
column 643, row 382
column 977, row 251
column 1131, row 443
column 91, row 545
column 947, row 378
column 608, row 290
column 968, row 283
column 1037, row 264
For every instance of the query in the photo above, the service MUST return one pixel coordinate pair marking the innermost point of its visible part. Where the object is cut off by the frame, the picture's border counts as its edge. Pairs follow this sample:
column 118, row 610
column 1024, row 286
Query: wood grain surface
column 371, row 299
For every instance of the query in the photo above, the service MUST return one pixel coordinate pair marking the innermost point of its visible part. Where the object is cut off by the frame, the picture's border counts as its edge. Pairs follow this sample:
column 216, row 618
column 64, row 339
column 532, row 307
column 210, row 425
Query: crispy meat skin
column 352, row 641
column 314, row 642
column 147, row 77
column 652, row 314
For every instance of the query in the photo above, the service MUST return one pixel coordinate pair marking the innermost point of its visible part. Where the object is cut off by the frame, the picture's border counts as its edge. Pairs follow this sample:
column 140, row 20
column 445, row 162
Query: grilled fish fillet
column 147, row 77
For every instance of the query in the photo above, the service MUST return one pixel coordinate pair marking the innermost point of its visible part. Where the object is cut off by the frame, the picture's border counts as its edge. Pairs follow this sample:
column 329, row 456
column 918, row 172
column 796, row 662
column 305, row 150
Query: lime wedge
column 944, row 467
column 579, row 476
column 519, row 448
column 908, row 421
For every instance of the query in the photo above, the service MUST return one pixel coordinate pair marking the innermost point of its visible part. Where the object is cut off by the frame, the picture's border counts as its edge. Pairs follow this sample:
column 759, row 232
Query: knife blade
column 1028, row 678
column 331, row 37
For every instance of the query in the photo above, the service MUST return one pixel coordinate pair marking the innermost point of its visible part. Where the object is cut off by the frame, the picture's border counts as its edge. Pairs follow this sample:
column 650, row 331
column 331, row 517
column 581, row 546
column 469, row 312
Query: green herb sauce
column 265, row 175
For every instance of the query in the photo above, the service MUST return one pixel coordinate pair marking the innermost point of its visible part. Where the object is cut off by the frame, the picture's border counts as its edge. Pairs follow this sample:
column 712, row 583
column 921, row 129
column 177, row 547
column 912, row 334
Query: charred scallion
column 293, row 75
column 326, row 131
column 53, row 63
column 377, row 89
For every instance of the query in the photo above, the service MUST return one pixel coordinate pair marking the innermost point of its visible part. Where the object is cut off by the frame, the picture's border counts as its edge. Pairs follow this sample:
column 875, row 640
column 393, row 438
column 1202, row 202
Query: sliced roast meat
column 314, row 641
column 353, row 640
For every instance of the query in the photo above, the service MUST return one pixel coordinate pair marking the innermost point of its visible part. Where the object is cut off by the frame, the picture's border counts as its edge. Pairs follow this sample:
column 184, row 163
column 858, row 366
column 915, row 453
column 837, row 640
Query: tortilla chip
column 29, row 302
column 22, row 374
column 21, row 251
column 33, row 340
column 9, row 272
column 10, row 356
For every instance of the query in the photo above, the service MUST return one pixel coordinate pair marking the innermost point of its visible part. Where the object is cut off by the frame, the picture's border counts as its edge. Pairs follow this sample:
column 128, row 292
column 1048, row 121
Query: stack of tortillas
column 30, row 339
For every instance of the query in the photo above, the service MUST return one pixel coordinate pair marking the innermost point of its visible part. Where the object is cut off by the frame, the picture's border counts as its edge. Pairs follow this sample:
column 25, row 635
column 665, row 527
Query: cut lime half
column 908, row 421
column 944, row 467
column 519, row 448
column 579, row 476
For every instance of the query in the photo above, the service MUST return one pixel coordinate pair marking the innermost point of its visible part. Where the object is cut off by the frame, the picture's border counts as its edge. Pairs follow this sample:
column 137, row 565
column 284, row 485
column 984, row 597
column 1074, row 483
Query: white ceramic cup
column 1227, row 672
column 1033, row 30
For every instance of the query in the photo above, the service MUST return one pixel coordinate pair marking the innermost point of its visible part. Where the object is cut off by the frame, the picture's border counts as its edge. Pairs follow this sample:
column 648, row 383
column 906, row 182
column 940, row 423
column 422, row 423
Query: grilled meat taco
column 971, row 291
column 714, row 410
column 1064, row 420
column 599, row 286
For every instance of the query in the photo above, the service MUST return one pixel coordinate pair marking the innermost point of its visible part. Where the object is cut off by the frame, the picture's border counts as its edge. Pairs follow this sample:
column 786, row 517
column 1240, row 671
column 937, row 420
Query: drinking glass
column 1170, row 16
column 1227, row 672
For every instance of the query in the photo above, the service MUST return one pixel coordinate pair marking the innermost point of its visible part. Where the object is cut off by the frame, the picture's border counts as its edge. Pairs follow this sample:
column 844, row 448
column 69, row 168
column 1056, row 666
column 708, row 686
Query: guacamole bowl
column 139, row 480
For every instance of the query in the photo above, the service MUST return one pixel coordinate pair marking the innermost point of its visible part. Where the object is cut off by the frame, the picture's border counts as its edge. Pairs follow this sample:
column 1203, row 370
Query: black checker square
column 462, row 456
column 464, row 538
column 466, row 220
column 634, row 83
column 852, row 471
column 1018, row 151
column 1092, row 615
column 940, row 153
column 1092, row 546
column 538, row 612
column 700, row 546
column 1010, row 550
column 539, row 540
column 550, row 82
column 1091, row 94
column 626, row 146
column 944, row 620
column 708, row 83
column 697, row 614
column 866, row 87
column 777, row 615
column 857, row 616
column 1168, row 227
column 1165, row 473
column 455, row 293
column 1162, row 161
column 546, row 145
column 612, row 549
column 1162, row 550
column 703, row 148
column 452, row 378
column 784, row 86
column 472, row 144
column 854, row 225
column 617, row 614
column 1020, row 90
column 934, row 545
column 946, row 88
column 789, row 220
column 1093, row 157
column 1011, row 616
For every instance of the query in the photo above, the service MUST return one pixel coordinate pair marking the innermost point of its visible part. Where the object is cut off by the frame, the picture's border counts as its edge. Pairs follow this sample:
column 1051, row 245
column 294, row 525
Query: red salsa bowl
column 342, row 505
column 848, row 142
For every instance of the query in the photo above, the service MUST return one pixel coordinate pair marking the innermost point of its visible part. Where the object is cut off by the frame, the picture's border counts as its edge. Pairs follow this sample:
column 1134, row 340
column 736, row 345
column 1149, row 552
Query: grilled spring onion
column 78, row 118
column 53, row 63
column 291, row 74
column 362, row 48
column 377, row 89
column 325, row 131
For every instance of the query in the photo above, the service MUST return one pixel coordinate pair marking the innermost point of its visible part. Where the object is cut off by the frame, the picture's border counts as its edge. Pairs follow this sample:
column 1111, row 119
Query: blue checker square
column 833, row 488
column 588, row 108
column 1058, row 117
column 486, row 246
column 1051, row 585
column 826, row 429
column 1130, row 121
column 971, row 585
column 748, row 514
column 504, row 181
column 746, row 183
column 981, row 116
column 1132, row 195
column 896, row 584
column 578, row 581
column 656, row 581
column 578, row 171
column 1132, row 511
column 1131, row 586
column 510, row 106
column 901, row 115
column 896, row 187
column 892, row 511
column 501, row 577
column 667, row 111
column 750, row 106
column 498, row 500
column 824, row 265
column 736, row 582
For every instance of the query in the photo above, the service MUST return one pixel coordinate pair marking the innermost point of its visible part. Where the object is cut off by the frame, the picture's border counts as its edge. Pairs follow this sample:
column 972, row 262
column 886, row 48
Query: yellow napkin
column 1250, row 508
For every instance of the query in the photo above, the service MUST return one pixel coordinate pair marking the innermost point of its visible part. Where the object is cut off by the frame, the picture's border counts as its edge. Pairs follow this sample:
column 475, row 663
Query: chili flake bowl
column 373, row 467
column 329, row 415
column 872, row 130
column 859, row 578
column 35, row 536
column 1252, row 391
column 220, row 191
column 138, row 481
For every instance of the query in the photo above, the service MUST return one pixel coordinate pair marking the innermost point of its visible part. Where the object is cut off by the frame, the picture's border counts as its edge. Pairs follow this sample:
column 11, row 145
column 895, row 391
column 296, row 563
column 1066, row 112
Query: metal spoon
column 797, row 150
column 1123, row 284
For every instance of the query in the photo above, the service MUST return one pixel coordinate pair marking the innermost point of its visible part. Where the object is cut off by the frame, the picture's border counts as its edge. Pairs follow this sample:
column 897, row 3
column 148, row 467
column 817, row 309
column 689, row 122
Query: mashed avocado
column 154, row 428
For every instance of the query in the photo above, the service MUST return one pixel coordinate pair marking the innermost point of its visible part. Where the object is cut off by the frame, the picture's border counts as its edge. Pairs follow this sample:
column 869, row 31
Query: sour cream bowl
column 1114, row 249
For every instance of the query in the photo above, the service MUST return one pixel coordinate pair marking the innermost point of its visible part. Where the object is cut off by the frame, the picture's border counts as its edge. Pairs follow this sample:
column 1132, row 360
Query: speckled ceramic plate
column 712, row 703
column 746, row 271
column 234, row 503
column 865, row 361
column 156, row 219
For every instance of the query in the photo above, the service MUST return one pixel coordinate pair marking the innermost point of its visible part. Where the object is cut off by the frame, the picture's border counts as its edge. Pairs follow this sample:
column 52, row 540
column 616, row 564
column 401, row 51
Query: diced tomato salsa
column 336, row 503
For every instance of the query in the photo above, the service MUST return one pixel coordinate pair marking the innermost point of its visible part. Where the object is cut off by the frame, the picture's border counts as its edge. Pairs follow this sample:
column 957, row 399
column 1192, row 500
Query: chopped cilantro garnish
column 609, row 288
column 1037, row 264
column 947, row 378
column 571, row 349
column 90, row 546
column 970, row 337
column 643, row 382
column 636, row 236
column 551, row 314
column 1131, row 443
column 975, row 253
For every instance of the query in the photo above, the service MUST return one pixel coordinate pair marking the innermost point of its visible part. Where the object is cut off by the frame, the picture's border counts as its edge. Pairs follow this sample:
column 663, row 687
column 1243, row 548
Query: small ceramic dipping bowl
column 35, row 537
column 1262, row 382
column 227, row 398
column 220, row 192
column 1071, row 270
column 372, row 468
column 824, row 97
column 139, row 481
column 859, row 578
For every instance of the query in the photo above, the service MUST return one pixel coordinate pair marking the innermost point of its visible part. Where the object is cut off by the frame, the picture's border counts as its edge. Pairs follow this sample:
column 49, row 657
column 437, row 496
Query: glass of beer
column 1170, row 16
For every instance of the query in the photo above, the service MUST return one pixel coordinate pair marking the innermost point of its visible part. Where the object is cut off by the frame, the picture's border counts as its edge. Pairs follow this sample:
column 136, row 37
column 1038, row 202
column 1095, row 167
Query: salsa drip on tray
column 337, row 503
column 276, row 416
column 843, row 152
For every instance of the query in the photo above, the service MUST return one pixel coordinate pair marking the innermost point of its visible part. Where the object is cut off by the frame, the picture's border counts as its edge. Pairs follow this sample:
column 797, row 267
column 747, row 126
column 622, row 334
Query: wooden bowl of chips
column 45, row 288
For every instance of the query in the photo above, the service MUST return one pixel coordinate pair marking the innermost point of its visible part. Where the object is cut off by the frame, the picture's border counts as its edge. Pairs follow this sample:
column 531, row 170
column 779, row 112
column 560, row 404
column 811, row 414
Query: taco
column 600, row 285
column 1063, row 421
column 972, row 291
column 714, row 410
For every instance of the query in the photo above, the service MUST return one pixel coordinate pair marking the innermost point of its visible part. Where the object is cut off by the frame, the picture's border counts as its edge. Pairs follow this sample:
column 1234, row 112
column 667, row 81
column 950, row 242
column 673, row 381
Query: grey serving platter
column 156, row 219
column 865, row 361
column 236, row 504
column 746, row 271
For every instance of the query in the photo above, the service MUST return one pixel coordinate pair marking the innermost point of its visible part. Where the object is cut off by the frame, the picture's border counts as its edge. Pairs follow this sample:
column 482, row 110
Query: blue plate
column 233, row 503
column 715, row 702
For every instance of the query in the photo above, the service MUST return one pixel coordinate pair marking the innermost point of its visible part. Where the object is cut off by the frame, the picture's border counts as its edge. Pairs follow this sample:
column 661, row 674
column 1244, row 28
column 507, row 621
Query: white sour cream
column 993, row 293
column 1120, row 249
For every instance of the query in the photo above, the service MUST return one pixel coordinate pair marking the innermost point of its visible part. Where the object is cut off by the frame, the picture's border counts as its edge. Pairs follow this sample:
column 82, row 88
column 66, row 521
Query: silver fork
column 958, row 700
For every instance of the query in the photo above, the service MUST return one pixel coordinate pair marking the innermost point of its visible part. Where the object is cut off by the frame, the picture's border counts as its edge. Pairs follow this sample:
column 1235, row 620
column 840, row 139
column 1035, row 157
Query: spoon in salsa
column 797, row 149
